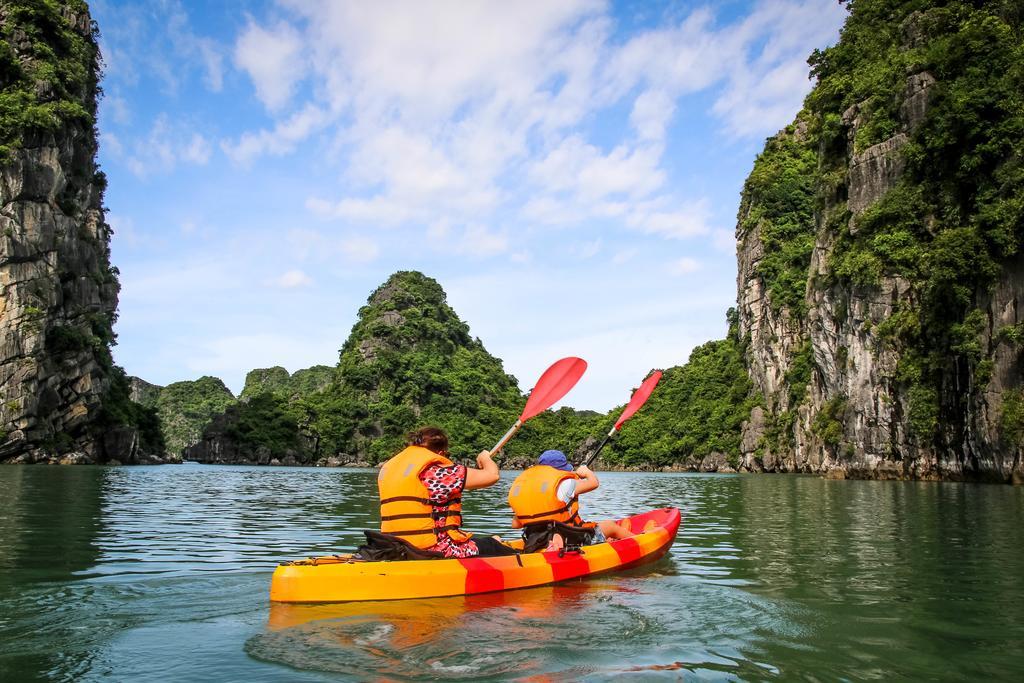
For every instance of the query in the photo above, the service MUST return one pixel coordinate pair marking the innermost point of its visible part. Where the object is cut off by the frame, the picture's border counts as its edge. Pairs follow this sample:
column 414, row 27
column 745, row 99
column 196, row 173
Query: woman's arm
column 588, row 480
column 487, row 475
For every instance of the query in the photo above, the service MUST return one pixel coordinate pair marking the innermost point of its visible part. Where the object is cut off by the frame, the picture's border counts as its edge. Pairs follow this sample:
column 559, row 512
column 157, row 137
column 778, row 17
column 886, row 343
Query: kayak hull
column 337, row 579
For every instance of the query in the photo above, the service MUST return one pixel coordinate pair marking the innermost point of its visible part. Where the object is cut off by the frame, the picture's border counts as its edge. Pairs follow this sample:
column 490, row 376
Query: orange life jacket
column 534, row 497
column 405, row 507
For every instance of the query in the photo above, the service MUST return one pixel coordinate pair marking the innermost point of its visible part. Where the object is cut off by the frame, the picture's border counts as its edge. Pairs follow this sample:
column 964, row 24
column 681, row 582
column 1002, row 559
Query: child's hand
column 584, row 470
column 483, row 458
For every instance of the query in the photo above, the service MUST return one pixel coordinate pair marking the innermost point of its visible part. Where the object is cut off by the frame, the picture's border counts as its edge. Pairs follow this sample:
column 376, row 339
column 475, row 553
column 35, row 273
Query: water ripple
column 114, row 573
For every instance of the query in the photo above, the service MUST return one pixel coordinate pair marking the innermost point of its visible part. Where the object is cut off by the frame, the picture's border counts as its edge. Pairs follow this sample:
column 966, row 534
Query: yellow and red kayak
column 339, row 578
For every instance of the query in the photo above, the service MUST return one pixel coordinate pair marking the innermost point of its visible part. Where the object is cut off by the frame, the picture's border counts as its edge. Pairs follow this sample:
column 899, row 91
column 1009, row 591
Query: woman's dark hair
column 431, row 438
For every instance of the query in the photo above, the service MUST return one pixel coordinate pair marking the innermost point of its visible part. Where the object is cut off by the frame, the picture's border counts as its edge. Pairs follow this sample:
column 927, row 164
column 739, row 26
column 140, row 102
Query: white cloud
column 652, row 110
column 551, row 211
column 582, row 169
column 282, row 139
column 679, row 59
column 428, row 60
column 690, row 220
column 190, row 47
column 273, row 58
column 305, row 243
column 112, row 143
column 439, row 229
column 123, row 228
column 118, row 108
column 379, row 211
column 155, row 39
column 291, row 280
column 624, row 256
column 478, row 241
column 761, row 60
column 411, row 163
column 197, row 151
column 768, row 81
column 724, row 240
column 684, row 266
column 586, row 250
column 319, row 246
column 435, row 101
column 213, row 62
column 455, row 113
column 360, row 249
column 161, row 149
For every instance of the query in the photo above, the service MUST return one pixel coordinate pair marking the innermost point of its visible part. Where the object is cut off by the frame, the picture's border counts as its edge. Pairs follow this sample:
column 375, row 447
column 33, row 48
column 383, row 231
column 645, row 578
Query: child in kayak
column 547, row 495
column 421, row 497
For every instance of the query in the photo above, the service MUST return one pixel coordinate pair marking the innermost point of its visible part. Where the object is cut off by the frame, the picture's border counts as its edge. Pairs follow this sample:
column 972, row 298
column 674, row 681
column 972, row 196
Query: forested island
column 878, row 331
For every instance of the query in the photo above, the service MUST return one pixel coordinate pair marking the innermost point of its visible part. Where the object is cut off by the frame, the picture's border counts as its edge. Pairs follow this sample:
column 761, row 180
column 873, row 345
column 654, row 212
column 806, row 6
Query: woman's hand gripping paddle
column 552, row 386
column 640, row 397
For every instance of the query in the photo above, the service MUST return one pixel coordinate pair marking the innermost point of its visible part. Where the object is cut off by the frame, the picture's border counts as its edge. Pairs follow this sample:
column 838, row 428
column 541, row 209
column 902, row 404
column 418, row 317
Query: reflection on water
column 162, row 573
column 462, row 637
column 49, row 522
column 581, row 629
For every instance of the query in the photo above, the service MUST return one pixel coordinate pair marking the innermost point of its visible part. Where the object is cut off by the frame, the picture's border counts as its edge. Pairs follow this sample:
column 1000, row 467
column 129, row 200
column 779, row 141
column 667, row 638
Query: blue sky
column 569, row 172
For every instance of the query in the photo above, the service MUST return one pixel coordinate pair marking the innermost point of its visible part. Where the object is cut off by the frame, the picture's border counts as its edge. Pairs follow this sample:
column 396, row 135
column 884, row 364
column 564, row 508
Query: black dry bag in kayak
column 537, row 536
column 380, row 546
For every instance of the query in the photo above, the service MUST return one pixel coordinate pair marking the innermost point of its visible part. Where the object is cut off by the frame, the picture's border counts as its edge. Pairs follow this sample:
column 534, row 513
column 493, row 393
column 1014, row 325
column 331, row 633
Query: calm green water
column 162, row 573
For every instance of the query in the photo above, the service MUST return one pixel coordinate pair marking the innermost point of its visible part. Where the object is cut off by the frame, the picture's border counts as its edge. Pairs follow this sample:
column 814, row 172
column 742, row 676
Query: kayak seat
column 380, row 546
column 537, row 536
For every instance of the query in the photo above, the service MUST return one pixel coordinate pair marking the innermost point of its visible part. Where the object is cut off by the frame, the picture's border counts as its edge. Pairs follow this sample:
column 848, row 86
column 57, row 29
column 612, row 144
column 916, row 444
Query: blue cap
column 555, row 459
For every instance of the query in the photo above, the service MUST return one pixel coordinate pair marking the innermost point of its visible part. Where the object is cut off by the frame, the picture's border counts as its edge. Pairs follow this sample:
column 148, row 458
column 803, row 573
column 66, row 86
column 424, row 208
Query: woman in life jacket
column 548, row 493
column 421, row 497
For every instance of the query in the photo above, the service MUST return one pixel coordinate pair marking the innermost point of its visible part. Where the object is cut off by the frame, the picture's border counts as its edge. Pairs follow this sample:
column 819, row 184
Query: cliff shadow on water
column 50, row 523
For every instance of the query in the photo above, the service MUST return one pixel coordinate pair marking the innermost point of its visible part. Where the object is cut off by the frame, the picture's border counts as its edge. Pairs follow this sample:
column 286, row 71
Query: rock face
column 142, row 392
column 186, row 408
column 277, row 381
column 262, row 380
column 58, row 292
column 879, row 368
column 220, row 445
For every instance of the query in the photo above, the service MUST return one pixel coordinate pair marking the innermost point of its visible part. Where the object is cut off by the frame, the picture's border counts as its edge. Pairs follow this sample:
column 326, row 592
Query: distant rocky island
column 878, row 331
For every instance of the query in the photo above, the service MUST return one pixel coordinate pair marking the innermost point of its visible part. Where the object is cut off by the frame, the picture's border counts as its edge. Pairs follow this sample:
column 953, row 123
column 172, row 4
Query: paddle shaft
column 639, row 398
column 595, row 453
column 508, row 435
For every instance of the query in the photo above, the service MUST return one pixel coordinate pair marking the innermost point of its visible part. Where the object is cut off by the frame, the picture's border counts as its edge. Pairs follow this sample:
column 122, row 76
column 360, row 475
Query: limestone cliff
column 186, row 408
column 60, row 394
column 142, row 392
column 276, row 380
column 880, row 274
column 263, row 380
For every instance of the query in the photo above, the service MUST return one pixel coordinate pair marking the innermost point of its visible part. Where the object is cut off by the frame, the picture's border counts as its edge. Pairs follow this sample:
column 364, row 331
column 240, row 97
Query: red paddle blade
column 640, row 397
column 553, row 385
